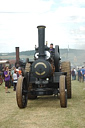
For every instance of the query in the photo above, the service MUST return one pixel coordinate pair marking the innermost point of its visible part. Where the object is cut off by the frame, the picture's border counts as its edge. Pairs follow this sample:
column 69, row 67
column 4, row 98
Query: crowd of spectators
column 11, row 77
column 80, row 73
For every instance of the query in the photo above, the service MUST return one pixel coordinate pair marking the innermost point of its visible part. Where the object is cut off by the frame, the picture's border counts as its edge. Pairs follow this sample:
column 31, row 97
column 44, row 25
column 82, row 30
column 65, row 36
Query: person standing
column 15, row 79
column 79, row 74
column 73, row 74
column 20, row 72
column 7, row 79
column 82, row 72
column 11, row 74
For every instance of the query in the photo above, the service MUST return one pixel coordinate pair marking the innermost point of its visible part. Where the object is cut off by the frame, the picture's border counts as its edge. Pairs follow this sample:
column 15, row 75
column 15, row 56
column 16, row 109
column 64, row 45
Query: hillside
column 75, row 56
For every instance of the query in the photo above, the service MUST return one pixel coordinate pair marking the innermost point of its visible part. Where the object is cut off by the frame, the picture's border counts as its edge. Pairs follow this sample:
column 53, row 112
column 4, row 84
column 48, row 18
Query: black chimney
column 17, row 55
column 41, row 41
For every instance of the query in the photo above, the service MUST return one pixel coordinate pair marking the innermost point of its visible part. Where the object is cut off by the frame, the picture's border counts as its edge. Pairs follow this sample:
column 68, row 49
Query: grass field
column 44, row 112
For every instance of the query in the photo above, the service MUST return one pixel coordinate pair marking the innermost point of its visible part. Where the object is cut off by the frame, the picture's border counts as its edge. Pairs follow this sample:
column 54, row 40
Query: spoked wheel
column 63, row 91
column 22, row 92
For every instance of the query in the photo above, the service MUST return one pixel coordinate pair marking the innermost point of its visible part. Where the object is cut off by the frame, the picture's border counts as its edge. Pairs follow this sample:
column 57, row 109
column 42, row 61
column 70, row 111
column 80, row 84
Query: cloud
column 75, row 3
column 19, row 19
column 25, row 6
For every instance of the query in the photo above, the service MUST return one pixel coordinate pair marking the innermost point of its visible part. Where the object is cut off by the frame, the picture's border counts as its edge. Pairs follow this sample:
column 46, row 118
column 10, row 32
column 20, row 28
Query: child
column 15, row 79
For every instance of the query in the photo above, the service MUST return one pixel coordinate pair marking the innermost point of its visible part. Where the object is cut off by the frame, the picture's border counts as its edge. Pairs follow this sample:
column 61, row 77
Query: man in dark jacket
column 52, row 50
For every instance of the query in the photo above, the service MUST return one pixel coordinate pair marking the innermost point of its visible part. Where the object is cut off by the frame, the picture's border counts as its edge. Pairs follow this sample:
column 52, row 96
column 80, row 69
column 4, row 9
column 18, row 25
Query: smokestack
column 17, row 55
column 41, row 41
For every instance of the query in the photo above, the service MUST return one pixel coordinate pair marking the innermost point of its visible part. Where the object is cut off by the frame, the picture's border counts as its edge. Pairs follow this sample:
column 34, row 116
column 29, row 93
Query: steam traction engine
column 43, row 76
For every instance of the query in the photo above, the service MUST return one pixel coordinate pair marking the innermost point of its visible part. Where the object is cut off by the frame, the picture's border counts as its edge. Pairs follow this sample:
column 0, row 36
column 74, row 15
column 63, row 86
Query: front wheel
column 63, row 91
column 21, row 92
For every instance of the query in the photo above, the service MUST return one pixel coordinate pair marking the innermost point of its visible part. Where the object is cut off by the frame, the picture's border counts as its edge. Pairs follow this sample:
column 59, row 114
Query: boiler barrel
column 41, row 68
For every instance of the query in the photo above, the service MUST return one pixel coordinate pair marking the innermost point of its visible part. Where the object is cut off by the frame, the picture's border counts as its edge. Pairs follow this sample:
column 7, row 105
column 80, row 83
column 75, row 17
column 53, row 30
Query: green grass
column 44, row 112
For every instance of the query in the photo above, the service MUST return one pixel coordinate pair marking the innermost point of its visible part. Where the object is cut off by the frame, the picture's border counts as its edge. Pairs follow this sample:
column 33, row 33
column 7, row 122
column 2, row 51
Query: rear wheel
column 21, row 92
column 63, row 91
column 65, row 67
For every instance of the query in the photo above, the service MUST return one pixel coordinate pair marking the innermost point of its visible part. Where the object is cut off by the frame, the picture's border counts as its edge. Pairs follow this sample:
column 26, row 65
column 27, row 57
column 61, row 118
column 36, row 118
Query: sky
column 64, row 21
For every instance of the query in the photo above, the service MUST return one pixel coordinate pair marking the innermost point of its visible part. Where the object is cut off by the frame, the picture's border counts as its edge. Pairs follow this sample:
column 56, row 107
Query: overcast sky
column 64, row 21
